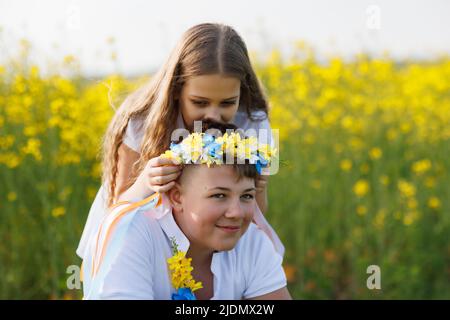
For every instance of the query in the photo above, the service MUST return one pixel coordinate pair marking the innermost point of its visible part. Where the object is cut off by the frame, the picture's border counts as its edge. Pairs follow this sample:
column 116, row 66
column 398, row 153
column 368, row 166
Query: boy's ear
column 174, row 195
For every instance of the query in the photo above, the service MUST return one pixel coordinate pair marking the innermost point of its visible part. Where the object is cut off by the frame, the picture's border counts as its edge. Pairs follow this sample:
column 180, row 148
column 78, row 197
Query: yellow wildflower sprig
column 181, row 269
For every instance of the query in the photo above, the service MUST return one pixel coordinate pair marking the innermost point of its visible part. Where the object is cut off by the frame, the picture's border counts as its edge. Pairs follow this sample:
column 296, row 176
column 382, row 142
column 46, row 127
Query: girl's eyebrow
column 199, row 97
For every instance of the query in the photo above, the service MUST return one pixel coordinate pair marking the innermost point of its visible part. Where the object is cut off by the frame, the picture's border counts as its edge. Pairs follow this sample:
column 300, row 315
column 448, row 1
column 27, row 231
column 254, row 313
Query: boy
column 206, row 216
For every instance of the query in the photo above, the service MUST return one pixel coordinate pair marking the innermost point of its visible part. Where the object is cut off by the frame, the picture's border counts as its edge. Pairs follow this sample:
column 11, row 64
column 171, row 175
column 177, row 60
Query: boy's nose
column 235, row 211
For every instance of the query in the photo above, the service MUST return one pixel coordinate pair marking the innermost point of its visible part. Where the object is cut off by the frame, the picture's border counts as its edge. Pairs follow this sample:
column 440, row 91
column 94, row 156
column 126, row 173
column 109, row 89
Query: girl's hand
column 261, row 183
column 158, row 175
column 261, row 192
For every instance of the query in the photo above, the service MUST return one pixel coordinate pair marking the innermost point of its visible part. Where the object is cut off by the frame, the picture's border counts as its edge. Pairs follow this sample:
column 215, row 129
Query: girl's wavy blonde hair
column 207, row 48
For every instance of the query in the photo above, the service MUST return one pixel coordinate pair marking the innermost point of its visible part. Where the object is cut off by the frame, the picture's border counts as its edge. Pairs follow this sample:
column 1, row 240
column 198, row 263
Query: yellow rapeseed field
column 363, row 180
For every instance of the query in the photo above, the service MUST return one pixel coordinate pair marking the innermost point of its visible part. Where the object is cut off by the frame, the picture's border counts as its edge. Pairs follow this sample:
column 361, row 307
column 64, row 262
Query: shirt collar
column 173, row 231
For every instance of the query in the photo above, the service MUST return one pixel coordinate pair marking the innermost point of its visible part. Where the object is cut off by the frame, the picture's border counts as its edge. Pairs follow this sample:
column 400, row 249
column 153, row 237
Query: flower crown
column 205, row 148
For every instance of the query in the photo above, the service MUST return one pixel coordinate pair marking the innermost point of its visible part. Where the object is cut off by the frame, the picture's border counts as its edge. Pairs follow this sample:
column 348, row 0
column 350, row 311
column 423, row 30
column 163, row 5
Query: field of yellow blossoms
column 364, row 175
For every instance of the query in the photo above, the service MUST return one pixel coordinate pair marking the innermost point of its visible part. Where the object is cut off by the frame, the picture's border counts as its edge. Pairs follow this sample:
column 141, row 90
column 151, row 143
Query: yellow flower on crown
column 195, row 143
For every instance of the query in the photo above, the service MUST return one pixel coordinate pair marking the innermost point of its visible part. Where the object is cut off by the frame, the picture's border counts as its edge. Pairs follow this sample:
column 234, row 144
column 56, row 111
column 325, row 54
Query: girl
column 207, row 76
column 141, row 248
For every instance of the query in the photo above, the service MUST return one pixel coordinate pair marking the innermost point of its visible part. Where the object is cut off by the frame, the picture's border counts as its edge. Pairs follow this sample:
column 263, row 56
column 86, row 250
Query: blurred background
column 360, row 91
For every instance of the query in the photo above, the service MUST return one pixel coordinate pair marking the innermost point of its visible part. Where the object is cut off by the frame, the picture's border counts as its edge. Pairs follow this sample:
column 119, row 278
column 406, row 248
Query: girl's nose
column 213, row 114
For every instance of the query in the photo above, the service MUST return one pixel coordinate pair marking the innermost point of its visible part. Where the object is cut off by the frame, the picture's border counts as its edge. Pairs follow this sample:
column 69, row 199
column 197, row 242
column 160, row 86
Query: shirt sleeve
column 129, row 274
column 266, row 134
column 133, row 134
column 258, row 126
column 263, row 271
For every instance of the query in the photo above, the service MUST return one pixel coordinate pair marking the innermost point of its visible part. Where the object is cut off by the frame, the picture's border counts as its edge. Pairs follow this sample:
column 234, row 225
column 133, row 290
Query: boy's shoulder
column 253, row 231
column 254, row 242
column 145, row 220
column 138, row 221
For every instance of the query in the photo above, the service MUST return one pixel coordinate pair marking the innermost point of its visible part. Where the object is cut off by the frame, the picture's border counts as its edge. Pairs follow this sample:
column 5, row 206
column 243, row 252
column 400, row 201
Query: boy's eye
column 248, row 196
column 218, row 195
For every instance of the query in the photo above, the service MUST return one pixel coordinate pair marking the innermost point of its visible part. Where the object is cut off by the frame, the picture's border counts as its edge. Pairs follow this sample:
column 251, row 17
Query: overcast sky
column 145, row 31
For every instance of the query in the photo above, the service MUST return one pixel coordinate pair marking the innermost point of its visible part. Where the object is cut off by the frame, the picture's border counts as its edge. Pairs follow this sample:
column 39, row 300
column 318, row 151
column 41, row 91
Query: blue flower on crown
column 208, row 138
column 214, row 149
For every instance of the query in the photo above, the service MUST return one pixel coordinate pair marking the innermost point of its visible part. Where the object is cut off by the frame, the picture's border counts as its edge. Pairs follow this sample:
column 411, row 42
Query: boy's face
column 211, row 207
column 214, row 97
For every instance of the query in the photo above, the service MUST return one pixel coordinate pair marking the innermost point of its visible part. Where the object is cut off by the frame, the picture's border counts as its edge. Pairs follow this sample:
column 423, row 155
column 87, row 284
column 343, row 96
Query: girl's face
column 214, row 97
column 211, row 207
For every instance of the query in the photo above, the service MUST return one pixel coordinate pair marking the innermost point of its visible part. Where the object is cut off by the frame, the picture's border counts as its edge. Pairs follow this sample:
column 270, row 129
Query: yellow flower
column 12, row 196
column 346, row 164
column 347, row 122
column 33, row 148
column 405, row 127
column 375, row 153
column 391, row 134
column 7, row 141
column 410, row 217
column 361, row 187
column 361, row 210
column 407, row 189
column 379, row 219
column 171, row 155
column 58, row 211
column 30, row 131
column 420, row 167
column 11, row 160
column 434, row 203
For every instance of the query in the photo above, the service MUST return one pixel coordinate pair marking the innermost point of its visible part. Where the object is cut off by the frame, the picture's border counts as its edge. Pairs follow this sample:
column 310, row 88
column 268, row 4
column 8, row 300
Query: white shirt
column 139, row 269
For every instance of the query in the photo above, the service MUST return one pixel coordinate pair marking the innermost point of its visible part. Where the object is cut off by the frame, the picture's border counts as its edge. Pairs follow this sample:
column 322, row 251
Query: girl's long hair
column 207, row 48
